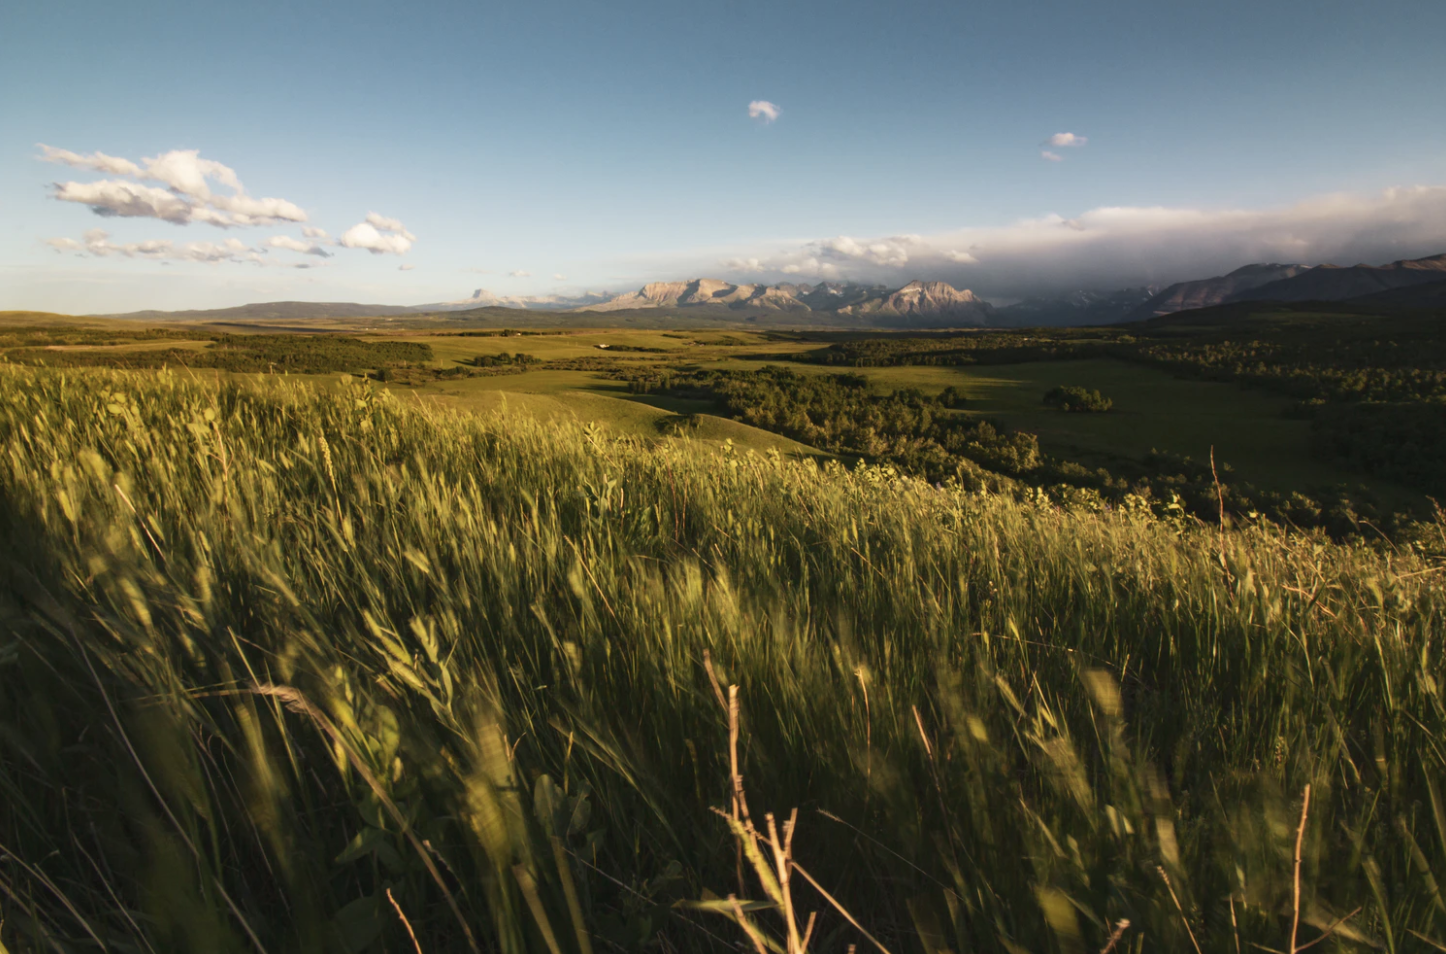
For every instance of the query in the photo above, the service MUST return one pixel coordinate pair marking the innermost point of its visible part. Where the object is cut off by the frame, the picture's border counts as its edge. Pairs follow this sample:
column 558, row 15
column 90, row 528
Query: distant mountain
column 916, row 304
column 1336, row 283
column 274, row 310
column 1429, row 295
column 482, row 298
column 1077, row 308
column 1205, row 292
column 935, row 302
column 705, row 291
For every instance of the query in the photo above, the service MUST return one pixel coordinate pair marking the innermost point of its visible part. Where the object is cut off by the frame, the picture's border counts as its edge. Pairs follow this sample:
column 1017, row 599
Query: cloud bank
column 97, row 244
column 187, row 197
column 1117, row 247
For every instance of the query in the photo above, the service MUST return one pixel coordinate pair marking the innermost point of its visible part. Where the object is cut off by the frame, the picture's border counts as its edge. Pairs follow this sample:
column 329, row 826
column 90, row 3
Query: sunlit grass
column 280, row 666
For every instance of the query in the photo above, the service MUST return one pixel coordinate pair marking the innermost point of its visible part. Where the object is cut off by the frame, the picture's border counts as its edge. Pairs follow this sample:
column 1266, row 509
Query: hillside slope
column 1207, row 292
column 1335, row 283
column 301, row 660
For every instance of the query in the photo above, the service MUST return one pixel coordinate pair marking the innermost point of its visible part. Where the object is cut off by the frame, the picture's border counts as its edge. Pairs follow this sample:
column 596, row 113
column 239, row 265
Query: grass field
column 1152, row 410
column 1253, row 440
column 307, row 669
column 1248, row 429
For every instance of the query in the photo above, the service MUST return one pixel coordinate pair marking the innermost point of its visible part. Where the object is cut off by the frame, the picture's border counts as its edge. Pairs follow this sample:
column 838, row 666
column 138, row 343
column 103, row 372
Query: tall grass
column 284, row 670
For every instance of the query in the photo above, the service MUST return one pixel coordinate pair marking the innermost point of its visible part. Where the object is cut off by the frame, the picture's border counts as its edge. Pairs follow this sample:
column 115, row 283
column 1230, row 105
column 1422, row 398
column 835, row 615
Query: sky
column 183, row 155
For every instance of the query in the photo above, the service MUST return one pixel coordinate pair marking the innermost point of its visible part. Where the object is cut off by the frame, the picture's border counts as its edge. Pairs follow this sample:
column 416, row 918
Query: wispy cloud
column 387, row 224
column 764, row 110
column 519, row 273
column 1051, row 156
column 1116, row 247
column 379, row 235
column 1066, row 140
column 296, row 245
column 97, row 244
column 187, row 197
column 559, row 277
column 97, row 161
column 405, row 268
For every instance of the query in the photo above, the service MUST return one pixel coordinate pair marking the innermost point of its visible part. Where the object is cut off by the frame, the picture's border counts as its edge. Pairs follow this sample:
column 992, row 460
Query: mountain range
column 918, row 304
column 1384, row 284
column 1406, row 283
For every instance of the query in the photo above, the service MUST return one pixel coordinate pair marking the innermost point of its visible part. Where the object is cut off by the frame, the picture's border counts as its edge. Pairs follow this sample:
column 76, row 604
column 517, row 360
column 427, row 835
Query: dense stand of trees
column 1372, row 385
column 922, row 435
column 840, row 414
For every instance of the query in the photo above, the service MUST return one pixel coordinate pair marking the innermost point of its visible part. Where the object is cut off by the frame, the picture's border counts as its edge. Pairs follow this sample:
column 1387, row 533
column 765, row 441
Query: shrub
column 1078, row 399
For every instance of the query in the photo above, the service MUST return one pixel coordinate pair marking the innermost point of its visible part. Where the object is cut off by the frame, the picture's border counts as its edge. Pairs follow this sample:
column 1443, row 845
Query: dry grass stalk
column 1121, row 926
column 1234, row 925
column 1329, row 931
column 405, row 923
column 1295, row 885
column 1178, row 907
column 776, row 878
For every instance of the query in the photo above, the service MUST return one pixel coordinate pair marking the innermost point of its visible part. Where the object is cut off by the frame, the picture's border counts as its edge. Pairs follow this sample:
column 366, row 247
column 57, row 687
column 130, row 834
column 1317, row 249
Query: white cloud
column 1116, row 247
column 559, row 277
column 245, row 210
column 187, row 198
column 519, row 273
column 892, row 252
column 378, row 235
column 296, row 245
column 97, row 243
column 1066, row 140
column 97, row 161
column 764, row 110
column 186, row 172
column 385, row 224
column 1051, row 156
column 115, row 197
column 405, row 268
column 311, row 231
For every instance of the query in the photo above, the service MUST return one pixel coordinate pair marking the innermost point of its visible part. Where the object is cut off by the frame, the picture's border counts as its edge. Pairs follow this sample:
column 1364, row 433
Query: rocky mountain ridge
column 934, row 302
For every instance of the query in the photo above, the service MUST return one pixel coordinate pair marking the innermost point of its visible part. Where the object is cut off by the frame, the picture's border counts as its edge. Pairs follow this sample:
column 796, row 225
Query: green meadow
column 301, row 669
column 535, row 655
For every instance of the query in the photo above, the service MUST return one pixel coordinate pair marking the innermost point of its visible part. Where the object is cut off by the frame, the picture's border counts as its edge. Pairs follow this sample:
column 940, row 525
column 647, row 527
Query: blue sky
column 612, row 143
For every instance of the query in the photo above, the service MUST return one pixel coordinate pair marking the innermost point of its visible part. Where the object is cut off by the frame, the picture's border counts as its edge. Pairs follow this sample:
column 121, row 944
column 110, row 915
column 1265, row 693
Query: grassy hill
column 300, row 669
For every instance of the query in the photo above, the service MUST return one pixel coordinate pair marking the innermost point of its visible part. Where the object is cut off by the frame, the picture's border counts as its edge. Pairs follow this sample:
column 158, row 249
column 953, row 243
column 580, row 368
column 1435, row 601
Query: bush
column 1078, row 399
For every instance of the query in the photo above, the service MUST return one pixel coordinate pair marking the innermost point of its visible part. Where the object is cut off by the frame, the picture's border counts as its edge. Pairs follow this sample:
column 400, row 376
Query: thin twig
column 1234, row 925
column 735, row 779
column 405, row 923
column 1295, row 891
column 1436, row 944
column 839, row 907
column 1178, row 907
column 1328, row 931
column 746, row 924
column 1121, row 927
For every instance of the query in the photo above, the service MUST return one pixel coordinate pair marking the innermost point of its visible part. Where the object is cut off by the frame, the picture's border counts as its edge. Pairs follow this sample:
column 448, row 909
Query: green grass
column 279, row 662
column 1152, row 410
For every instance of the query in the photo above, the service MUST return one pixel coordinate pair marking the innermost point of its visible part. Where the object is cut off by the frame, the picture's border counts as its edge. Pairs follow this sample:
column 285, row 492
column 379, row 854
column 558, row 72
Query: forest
column 1373, row 385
